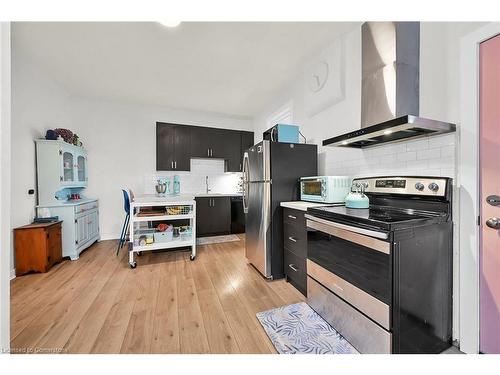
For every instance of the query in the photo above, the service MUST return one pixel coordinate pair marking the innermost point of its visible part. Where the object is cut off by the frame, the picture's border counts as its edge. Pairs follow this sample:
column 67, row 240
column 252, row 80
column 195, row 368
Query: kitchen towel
column 298, row 329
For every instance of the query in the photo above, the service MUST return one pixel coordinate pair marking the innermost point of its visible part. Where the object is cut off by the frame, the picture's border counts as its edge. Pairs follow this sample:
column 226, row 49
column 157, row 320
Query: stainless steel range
column 382, row 277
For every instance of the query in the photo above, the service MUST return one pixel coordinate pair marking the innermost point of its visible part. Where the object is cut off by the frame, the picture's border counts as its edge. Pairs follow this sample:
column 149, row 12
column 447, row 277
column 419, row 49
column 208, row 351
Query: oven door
column 313, row 190
column 354, row 263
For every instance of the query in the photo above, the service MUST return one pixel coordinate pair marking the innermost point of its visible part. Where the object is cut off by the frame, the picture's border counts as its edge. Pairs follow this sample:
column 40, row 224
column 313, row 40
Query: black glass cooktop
column 382, row 217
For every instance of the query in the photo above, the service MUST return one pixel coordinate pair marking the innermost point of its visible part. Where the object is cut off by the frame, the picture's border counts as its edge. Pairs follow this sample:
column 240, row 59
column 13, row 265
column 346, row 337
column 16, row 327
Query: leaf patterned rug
column 298, row 329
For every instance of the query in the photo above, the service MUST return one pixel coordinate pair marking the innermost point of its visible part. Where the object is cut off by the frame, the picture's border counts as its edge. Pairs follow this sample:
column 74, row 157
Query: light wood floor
column 168, row 304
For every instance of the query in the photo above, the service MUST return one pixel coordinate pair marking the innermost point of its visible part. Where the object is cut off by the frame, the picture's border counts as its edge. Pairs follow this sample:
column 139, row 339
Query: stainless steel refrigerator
column 271, row 172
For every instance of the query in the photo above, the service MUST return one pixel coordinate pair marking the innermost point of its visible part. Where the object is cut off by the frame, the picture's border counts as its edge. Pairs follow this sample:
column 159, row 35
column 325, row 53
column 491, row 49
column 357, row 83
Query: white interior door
column 489, row 146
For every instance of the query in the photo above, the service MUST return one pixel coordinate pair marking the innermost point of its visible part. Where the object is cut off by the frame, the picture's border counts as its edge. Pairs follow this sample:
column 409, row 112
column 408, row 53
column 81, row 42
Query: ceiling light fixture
column 387, row 132
column 170, row 23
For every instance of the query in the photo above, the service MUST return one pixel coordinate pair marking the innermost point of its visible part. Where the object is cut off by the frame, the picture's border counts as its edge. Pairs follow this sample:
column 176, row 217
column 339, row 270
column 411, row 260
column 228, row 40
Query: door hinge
column 75, row 221
column 479, row 220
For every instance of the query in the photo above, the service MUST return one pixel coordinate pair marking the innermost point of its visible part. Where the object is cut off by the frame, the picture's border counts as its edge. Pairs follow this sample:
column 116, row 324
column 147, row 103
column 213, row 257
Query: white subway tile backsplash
column 420, row 144
column 386, row 159
column 418, row 164
column 385, row 150
column 448, row 172
column 433, row 172
column 446, row 163
column 194, row 182
column 433, row 156
column 373, row 161
column 406, row 156
column 429, row 154
column 448, row 151
column 442, row 140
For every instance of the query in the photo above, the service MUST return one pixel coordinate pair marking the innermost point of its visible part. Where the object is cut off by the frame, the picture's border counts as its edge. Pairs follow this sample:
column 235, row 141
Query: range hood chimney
column 390, row 88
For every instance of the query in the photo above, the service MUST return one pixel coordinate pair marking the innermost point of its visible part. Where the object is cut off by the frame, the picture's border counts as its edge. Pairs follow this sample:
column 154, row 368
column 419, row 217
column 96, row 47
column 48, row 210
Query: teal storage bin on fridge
column 288, row 133
column 284, row 133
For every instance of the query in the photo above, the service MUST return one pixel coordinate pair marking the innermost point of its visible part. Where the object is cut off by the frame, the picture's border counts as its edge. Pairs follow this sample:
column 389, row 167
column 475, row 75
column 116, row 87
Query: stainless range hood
column 390, row 88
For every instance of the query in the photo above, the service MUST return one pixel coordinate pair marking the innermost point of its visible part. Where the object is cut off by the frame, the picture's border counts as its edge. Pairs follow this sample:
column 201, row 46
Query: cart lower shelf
column 164, row 245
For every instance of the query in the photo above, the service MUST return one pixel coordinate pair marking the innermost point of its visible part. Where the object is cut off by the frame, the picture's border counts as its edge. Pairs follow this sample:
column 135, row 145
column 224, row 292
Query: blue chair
column 126, row 207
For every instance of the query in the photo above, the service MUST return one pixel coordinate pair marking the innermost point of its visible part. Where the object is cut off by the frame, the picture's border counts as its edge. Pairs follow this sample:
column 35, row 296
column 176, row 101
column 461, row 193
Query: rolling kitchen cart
column 151, row 208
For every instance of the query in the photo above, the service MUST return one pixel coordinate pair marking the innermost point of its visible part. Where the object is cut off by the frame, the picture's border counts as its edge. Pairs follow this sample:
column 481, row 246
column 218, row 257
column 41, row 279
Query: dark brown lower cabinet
column 213, row 216
column 295, row 248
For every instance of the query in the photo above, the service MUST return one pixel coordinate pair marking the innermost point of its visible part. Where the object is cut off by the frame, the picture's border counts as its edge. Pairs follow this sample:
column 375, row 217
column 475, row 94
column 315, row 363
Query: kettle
column 357, row 198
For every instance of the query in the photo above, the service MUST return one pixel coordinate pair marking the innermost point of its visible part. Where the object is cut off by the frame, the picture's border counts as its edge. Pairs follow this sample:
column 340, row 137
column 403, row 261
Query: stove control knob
column 419, row 186
column 433, row 187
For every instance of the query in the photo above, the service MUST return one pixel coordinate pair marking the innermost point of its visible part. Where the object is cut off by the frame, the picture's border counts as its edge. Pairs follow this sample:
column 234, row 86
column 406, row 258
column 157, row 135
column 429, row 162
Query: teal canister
column 177, row 184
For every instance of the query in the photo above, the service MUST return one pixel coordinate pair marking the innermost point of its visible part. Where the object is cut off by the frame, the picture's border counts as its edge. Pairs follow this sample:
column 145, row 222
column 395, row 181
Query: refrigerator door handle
column 245, row 182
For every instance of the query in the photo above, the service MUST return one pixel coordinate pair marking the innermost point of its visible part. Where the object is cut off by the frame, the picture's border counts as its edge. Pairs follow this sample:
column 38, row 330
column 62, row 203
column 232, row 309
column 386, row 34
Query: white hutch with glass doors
column 62, row 175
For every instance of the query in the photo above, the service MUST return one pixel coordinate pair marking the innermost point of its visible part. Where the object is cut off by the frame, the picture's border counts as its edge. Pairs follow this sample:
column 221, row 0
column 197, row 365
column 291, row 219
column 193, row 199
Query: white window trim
column 284, row 115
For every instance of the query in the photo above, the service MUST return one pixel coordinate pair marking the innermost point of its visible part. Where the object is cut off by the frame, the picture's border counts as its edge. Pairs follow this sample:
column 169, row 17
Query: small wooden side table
column 38, row 247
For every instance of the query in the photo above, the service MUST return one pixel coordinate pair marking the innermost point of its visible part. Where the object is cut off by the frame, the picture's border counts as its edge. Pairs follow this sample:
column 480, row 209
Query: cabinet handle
column 292, row 239
column 293, row 267
column 172, row 165
column 211, row 152
column 240, row 166
column 175, row 164
column 208, row 152
column 292, row 217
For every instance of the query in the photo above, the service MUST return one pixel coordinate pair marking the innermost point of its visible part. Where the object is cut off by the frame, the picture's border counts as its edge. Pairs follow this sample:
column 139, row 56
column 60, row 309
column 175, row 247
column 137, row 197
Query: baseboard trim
column 105, row 237
column 12, row 273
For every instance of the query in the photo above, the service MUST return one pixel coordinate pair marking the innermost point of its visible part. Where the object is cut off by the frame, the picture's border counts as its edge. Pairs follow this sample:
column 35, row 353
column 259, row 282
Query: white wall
column 439, row 99
column 38, row 104
column 119, row 137
column 5, row 166
column 121, row 143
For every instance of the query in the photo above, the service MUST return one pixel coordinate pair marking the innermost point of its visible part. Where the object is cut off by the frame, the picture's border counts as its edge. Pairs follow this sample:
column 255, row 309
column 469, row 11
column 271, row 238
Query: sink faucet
column 206, row 183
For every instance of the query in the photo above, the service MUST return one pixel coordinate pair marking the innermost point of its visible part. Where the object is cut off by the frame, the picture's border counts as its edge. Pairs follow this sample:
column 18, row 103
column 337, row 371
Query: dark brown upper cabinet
column 201, row 142
column 177, row 144
column 173, row 145
column 246, row 142
column 232, row 151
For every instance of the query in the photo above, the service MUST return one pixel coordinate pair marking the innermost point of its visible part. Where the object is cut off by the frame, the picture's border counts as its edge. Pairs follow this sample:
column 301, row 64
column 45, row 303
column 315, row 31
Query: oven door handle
column 366, row 232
